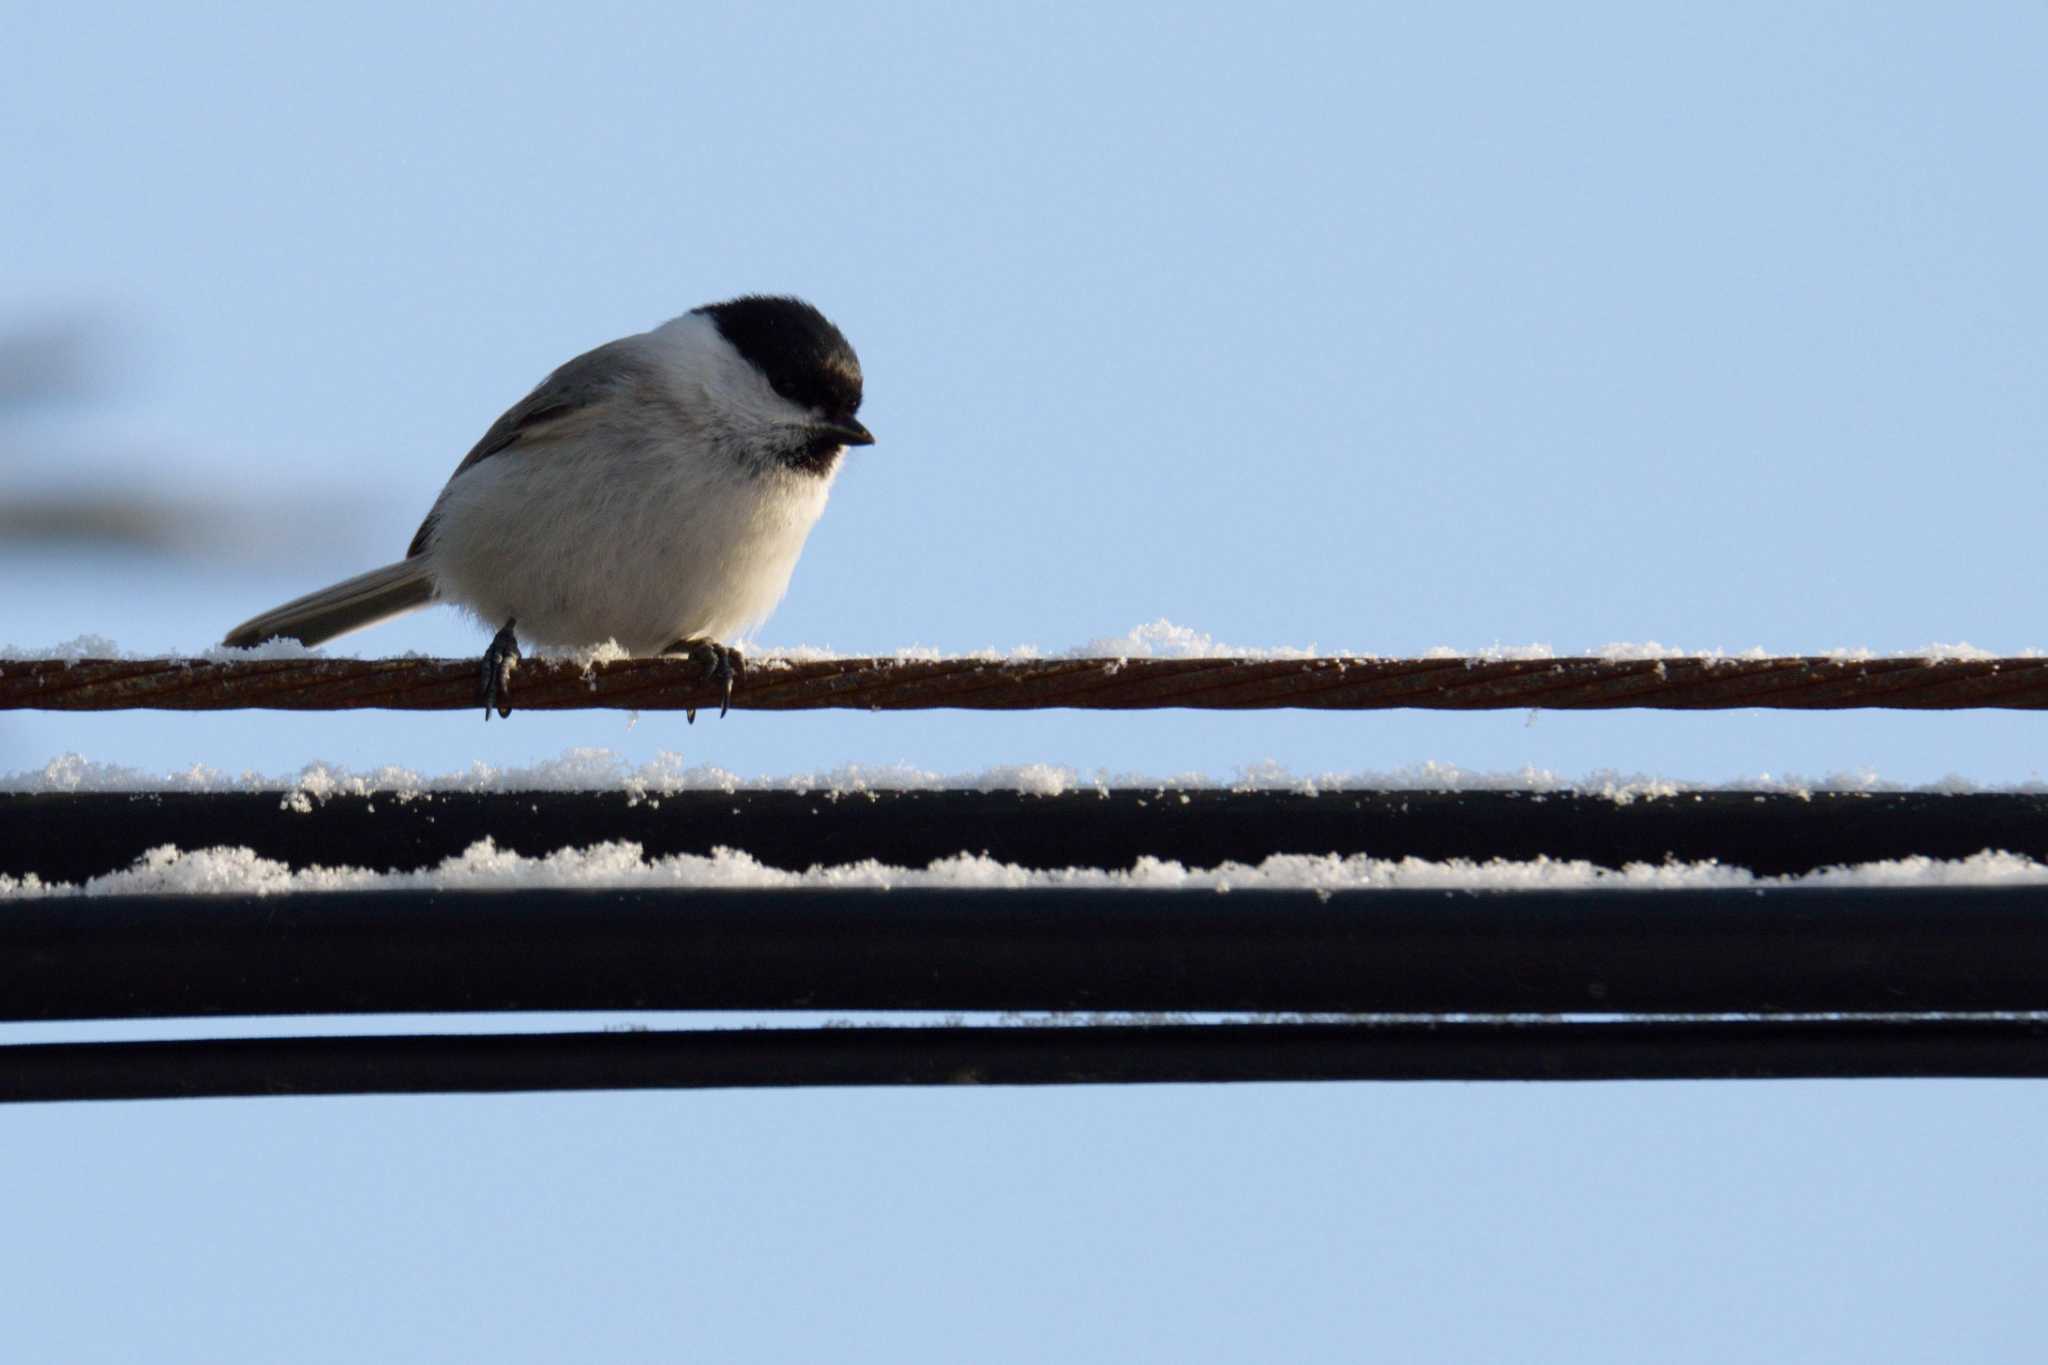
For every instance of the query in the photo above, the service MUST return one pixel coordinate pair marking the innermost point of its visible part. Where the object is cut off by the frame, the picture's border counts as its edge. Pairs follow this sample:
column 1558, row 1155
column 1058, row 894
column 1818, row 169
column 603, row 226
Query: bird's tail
column 349, row 605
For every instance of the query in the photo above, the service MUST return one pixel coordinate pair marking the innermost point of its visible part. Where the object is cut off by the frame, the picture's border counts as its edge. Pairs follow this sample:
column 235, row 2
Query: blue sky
column 1377, row 327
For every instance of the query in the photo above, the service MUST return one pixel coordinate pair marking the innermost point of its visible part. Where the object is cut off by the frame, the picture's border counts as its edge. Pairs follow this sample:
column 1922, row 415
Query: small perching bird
column 654, row 492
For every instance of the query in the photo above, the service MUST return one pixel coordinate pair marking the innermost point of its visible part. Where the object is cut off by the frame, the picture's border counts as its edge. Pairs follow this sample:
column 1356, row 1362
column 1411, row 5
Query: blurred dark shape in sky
column 55, row 495
column 54, row 359
column 135, row 521
column 257, row 530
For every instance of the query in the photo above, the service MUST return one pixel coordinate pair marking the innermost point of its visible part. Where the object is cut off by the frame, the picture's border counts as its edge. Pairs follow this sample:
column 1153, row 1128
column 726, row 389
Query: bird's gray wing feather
column 577, row 388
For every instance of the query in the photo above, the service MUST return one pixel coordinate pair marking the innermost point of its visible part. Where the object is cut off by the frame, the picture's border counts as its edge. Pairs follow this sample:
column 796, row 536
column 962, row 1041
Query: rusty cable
column 1334, row 684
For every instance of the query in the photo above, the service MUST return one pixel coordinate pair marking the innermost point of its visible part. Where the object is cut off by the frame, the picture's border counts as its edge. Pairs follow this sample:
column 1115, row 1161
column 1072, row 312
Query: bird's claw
column 722, row 662
column 499, row 661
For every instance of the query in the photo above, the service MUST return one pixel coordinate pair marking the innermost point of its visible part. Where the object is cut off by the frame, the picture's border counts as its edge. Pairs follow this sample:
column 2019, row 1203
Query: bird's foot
column 722, row 662
column 499, row 661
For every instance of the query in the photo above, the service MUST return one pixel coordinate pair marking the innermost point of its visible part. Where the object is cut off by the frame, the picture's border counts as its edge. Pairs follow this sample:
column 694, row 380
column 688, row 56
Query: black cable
column 1093, row 1055
column 1849, row 950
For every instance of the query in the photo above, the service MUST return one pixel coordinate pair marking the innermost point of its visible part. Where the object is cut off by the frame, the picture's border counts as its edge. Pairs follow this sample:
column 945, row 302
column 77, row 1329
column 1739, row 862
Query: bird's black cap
column 804, row 357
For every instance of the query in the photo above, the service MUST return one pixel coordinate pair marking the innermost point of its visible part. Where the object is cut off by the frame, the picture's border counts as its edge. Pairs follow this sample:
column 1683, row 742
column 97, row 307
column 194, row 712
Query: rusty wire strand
column 1332, row 684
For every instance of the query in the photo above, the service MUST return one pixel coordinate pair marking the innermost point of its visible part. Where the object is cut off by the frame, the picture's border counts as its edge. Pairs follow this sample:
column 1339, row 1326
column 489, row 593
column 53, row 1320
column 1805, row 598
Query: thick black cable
column 73, row 836
column 1857, row 950
column 1096, row 1055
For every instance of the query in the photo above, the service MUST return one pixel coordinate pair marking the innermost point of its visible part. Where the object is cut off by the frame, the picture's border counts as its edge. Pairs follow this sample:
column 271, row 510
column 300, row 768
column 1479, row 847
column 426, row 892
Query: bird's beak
column 849, row 432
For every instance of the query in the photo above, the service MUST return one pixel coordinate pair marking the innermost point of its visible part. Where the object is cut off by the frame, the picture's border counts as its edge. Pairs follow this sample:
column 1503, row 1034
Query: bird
column 654, row 492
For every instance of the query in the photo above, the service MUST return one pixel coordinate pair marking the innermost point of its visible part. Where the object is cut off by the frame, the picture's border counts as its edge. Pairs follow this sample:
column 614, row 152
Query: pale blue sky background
column 1378, row 327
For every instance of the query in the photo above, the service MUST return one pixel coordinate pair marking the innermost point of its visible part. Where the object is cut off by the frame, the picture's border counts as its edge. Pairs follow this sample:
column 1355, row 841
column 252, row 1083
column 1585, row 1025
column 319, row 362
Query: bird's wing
column 575, row 390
